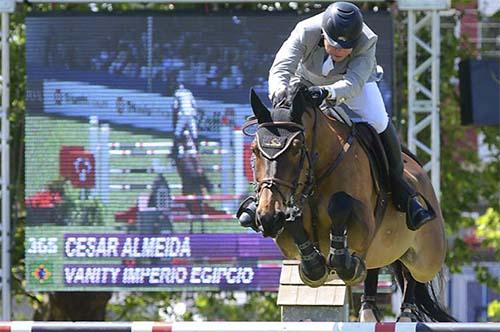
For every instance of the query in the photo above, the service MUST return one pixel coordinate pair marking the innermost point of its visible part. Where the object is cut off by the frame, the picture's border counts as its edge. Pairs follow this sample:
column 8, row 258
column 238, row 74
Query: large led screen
column 135, row 162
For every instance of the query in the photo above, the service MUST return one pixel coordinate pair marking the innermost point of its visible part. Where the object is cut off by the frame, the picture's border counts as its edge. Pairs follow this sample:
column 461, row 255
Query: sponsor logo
column 58, row 97
column 120, row 105
column 273, row 143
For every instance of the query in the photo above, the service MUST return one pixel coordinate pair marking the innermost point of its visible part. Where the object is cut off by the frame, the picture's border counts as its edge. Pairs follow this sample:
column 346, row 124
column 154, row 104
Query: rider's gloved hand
column 318, row 94
column 279, row 96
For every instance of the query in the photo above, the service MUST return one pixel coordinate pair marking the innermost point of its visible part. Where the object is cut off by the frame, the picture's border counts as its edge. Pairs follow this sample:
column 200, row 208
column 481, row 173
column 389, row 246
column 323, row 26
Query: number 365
column 42, row 245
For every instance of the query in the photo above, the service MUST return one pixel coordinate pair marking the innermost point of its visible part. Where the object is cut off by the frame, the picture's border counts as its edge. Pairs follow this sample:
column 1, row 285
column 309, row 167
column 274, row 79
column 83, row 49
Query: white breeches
column 186, row 121
column 369, row 106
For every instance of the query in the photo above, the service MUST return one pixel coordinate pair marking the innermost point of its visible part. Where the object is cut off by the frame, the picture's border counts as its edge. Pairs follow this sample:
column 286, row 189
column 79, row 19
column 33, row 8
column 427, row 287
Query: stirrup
column 429, row 212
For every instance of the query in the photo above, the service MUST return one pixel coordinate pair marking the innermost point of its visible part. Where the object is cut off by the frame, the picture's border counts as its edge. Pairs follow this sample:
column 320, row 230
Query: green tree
column 468, row 184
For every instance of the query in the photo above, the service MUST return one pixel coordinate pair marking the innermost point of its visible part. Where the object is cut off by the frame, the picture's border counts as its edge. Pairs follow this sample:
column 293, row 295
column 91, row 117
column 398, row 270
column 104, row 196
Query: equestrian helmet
column 342, row 24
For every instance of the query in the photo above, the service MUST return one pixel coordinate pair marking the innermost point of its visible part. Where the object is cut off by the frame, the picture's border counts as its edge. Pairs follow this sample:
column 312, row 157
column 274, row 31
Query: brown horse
column 315, row 197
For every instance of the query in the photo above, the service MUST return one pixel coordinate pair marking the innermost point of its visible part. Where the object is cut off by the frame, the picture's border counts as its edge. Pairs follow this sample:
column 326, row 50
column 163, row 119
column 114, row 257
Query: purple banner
column 240, row 276
column 197, row 246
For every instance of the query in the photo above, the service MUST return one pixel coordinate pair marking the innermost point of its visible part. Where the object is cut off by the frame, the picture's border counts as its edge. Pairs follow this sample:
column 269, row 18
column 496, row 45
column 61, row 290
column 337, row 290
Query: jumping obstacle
column 300, row 302
column 244, row 327
column 229, row 150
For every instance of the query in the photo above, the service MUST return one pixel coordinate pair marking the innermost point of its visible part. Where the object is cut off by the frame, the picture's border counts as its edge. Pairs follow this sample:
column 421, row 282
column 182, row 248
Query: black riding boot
column 405, row 198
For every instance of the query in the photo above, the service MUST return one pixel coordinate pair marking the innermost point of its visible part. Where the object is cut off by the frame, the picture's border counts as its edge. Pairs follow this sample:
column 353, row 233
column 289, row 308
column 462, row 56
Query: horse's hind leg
column 369, row 311
column 350, row 268
column 409, row 311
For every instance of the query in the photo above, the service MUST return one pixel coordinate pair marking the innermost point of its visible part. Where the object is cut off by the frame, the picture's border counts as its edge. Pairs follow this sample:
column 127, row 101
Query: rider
column 333, row 53
column 185, row 106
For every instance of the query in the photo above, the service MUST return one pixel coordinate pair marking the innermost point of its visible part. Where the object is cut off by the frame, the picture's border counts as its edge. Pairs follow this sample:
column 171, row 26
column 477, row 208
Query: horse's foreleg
column 350, row 268
column 369, row 311
column 312, row 268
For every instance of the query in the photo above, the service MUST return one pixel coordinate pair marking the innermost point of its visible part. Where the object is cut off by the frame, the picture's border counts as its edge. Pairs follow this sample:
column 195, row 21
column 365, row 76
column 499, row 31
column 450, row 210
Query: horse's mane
column 283, row 111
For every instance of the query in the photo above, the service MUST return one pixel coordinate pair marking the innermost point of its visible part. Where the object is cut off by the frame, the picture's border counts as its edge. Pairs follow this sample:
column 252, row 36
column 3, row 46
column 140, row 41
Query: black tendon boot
column 196, row 143
column 175, row 148
column 403, row 195
column 246, row 213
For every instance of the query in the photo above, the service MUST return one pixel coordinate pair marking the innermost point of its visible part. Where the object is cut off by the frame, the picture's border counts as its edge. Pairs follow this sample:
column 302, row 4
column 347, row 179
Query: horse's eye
column 297, row 145
column 254, row 147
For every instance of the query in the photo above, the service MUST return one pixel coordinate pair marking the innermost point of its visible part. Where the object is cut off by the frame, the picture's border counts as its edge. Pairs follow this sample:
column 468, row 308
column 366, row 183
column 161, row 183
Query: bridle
column 275, row 182
column 295, row 202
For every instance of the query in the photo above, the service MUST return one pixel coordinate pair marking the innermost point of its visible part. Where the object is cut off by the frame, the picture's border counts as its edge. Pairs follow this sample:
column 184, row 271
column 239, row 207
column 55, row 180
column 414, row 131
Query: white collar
column 327, row 66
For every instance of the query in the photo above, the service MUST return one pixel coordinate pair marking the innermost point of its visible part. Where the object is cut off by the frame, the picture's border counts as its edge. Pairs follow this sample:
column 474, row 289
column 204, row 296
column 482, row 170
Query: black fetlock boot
column 246, row 213
column 175, row 148
column 196, row 142
column 405, row 197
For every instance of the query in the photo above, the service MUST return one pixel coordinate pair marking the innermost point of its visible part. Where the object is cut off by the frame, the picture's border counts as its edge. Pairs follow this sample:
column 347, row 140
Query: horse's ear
column 298, row 105
column 259, row 109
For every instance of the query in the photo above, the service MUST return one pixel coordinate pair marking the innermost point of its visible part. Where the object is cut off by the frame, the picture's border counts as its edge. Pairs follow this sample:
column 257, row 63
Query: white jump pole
column 20, row 326
column 239, row 177
column 226, row 173
column 103, row 166
column 94, row 148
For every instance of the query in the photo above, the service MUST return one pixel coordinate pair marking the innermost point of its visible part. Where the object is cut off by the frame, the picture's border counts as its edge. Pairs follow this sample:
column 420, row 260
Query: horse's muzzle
column 271, row 224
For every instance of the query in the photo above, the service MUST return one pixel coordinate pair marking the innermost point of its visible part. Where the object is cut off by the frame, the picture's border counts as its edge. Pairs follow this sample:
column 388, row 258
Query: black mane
column 284, row 111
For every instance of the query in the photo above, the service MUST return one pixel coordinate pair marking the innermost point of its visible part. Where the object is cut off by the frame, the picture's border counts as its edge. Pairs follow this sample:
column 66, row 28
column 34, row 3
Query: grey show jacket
column 301, row 57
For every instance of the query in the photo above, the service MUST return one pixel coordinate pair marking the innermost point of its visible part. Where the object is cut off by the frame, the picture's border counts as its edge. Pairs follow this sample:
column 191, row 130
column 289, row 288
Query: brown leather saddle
column 379, row 165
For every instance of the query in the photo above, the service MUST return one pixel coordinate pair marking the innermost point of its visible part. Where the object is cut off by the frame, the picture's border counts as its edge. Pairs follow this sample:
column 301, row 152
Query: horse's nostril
column 279, row 217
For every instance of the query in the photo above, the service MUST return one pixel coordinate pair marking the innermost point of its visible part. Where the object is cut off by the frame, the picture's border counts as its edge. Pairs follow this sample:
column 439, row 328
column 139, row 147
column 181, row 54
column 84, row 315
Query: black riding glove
column 318, row 94
column 279, row 96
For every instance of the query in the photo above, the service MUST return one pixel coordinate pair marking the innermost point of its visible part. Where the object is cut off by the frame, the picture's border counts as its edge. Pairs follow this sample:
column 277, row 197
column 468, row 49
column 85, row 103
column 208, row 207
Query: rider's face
column 337, row 54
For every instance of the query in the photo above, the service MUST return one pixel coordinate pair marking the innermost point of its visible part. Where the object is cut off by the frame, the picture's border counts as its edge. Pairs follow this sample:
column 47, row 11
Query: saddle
column 379, row 165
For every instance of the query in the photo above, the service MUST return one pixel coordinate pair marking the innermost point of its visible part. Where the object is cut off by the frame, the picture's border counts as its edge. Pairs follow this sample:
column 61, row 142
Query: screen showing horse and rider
column 135, row 159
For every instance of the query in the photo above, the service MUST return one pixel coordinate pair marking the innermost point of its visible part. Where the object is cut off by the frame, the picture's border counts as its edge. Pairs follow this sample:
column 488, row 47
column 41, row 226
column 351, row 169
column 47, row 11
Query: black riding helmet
column 342, row 24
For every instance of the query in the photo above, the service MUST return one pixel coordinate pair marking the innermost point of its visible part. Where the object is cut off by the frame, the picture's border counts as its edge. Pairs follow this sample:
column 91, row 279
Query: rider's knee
column 380, row 123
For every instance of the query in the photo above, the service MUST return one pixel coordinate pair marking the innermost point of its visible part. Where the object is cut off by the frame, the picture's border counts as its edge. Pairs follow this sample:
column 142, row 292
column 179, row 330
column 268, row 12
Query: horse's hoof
column 369, row 312
column 359, row 272
column 313, row 283
column 407, row 317
column 367, row 316
column 408, row 313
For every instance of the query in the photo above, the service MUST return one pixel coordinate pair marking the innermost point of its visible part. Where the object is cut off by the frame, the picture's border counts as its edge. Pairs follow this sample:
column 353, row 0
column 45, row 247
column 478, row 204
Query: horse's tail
column 426, row 298
column 428, row 301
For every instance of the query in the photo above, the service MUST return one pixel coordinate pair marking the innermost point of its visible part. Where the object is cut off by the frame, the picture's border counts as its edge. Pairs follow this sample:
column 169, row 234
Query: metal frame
column 423, row 100
column 5, row 171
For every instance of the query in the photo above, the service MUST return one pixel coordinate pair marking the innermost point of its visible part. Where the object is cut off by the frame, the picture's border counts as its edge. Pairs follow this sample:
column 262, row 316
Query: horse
column 193, row 178
column 315, row 196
